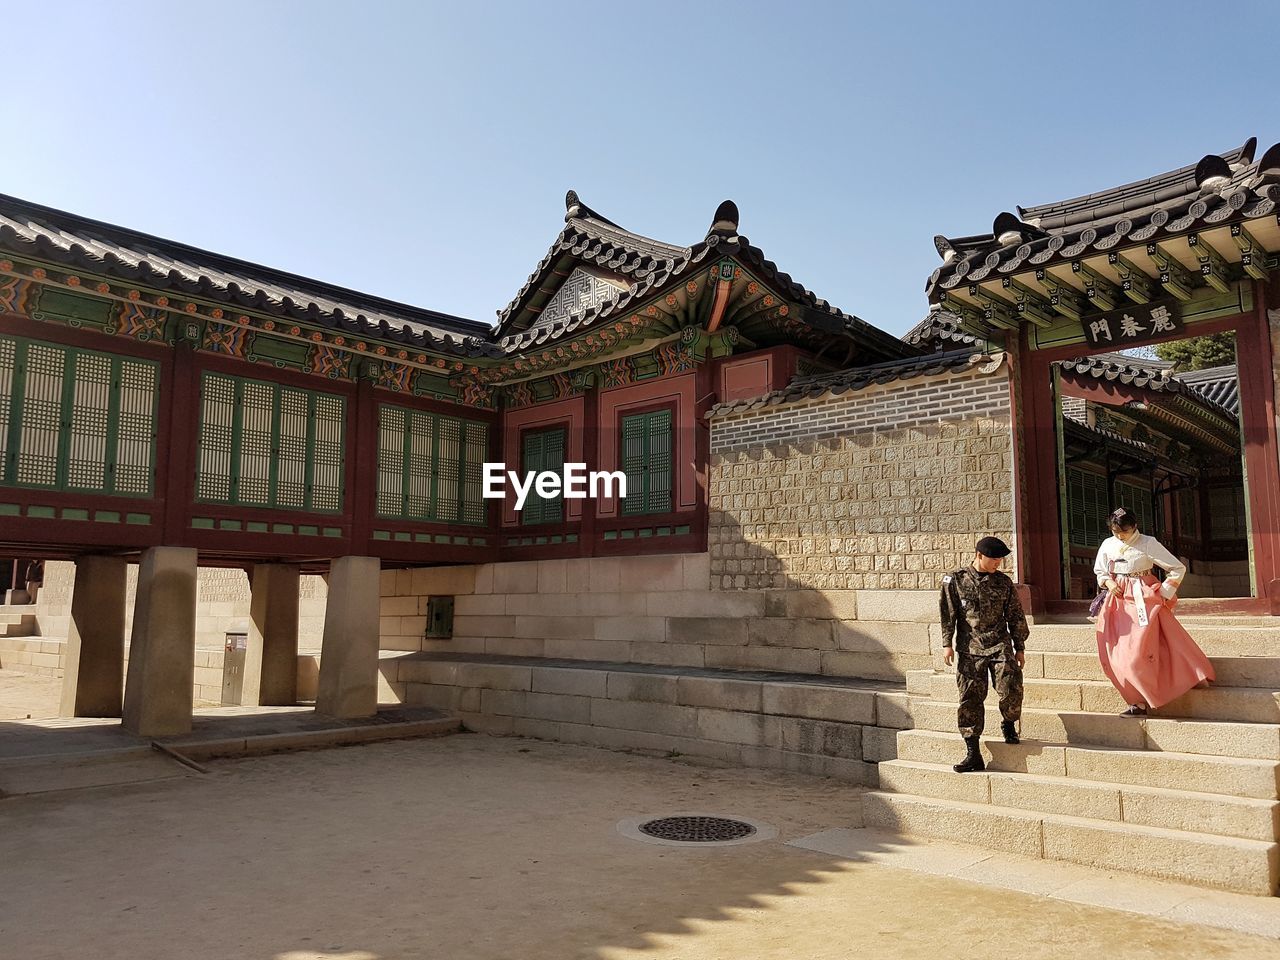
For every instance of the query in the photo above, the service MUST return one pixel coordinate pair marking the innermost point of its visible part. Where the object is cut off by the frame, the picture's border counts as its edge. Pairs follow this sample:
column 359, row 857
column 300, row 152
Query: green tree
column 1197, row 353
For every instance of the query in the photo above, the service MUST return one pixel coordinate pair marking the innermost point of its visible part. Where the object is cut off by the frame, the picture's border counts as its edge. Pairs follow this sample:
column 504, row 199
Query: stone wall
column 885, row 488
column 661, row 610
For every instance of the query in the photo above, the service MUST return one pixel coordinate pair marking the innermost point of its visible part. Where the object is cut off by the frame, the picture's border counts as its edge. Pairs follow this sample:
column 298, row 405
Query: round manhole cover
column 697, row 829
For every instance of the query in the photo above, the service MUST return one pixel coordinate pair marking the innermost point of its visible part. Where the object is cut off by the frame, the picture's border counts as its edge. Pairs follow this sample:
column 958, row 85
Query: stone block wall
column 661, row 610
column 884, row 488
column 222, row 604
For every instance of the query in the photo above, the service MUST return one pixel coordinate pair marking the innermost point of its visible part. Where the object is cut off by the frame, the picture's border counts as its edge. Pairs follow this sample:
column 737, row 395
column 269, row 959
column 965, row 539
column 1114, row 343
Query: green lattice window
column 1087, row 508
column 268, row 445
column 430, row 466
column 646, row 461
column 543, row 450
column 76, row 420
column 1227, row 518
column 1138, row 500
column 1188, row 501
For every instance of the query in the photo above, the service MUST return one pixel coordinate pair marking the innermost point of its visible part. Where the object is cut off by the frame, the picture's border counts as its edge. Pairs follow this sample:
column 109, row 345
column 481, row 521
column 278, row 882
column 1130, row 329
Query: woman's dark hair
column 1122, row 518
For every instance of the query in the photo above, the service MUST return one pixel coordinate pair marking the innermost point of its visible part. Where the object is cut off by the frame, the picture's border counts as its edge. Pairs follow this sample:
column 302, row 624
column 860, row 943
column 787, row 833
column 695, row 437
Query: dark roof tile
column 43, row 232
column 1165, row 205
column 859, row 378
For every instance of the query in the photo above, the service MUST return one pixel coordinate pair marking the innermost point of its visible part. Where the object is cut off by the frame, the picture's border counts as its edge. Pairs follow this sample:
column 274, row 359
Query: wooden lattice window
column 1087, row 508
column 1138, row 500
column 1188, row 502
column 76, row 420
column 430, row 466
column 269, row 445
column 543, row 450
column 646, row 461
column 1227, row 517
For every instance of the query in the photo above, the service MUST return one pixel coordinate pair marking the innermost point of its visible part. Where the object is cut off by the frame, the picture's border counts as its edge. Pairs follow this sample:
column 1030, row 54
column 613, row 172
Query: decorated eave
column 940, row 330
column 860, row 378
column 588, row 239
column 1169, row 403
column 1203, row 225
column 656, row 309
column 1084, row 440
column 132, row 260
column 722, row 281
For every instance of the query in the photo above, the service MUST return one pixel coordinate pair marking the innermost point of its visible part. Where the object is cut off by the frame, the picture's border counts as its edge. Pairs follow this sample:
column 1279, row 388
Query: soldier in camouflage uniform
column 982, row 614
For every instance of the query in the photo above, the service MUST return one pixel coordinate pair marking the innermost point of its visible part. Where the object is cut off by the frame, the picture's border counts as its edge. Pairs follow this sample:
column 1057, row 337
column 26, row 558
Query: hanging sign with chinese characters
column 1133, row 325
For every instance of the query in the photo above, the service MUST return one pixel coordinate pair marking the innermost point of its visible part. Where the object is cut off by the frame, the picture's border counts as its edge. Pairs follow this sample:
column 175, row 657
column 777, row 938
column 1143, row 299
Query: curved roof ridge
column 1126, row 198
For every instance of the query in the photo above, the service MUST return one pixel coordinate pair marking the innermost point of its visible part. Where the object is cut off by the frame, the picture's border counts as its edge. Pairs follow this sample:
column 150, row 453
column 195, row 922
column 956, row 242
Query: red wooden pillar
column 1042, row 534
column 363, row 468
column 1258, row 419
column 178, row 435
column 587, row 546
column 704, row 393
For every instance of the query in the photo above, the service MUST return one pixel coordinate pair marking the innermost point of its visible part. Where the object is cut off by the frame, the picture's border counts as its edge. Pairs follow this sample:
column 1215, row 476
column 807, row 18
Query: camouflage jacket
column 981, row 613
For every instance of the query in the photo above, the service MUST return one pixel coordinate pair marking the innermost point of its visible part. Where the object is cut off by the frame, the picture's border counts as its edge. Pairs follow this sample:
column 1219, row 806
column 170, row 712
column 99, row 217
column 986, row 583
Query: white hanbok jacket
column 1136, row 558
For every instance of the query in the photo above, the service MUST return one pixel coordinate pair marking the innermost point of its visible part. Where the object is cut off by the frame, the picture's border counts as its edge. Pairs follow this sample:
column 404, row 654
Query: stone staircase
column 1188, row 794
column 17, row 621
column 21, row 649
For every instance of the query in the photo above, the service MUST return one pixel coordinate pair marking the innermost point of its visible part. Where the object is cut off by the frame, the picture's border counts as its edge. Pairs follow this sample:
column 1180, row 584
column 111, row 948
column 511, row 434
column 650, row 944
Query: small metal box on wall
column 439, row 618
column 233, row 655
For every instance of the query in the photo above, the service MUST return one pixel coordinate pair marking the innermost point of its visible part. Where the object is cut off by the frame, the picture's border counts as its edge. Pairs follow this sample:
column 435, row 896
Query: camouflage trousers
column 971, row 678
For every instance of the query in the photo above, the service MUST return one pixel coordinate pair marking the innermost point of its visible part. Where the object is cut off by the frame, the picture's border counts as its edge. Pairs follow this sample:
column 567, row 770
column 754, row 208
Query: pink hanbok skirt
column 1152, row 664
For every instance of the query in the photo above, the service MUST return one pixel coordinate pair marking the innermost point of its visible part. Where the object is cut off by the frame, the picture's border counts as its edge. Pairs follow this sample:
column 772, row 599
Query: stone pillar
column 349, row 650
column 271, row 662
column 162, row 653
column 93, row 681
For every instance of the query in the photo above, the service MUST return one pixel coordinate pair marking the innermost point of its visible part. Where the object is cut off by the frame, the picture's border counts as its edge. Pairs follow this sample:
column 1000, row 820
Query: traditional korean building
column 153, row 395
column 1136, row 434
column 799, row 482
column 1185, row 253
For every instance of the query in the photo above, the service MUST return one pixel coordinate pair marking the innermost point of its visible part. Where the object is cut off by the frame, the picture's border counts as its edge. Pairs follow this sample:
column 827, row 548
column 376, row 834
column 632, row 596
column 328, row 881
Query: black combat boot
column 972, row 761
column 1010, row 731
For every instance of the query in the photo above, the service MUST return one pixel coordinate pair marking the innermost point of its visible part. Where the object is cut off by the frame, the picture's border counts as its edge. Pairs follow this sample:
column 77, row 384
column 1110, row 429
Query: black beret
column 993, row 547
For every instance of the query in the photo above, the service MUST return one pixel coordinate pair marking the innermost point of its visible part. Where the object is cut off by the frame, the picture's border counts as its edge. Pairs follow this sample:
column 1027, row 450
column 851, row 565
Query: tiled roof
column 653, row 275
column 1080, row 428
column 859, row 378
column 1221, row 385
column 1114, row 367
column 30, row 230
column 1217, row 190
column 27, row 229
column 588, row 237
column 939, row 329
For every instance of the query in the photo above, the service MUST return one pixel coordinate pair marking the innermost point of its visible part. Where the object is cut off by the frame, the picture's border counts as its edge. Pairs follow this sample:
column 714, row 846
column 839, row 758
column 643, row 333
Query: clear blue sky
column 421, row 151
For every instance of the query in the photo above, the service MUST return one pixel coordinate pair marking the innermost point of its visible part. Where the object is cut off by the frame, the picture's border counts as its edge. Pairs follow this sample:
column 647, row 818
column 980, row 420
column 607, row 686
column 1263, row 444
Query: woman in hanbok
column 1145, row 652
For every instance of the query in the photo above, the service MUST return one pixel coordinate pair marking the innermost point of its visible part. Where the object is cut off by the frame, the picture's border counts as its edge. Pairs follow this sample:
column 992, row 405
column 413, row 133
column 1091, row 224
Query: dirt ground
column 478, row 848
column 24, row 696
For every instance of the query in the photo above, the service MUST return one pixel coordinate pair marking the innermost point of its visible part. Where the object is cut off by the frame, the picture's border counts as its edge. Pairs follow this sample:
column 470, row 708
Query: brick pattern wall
column 882, row 489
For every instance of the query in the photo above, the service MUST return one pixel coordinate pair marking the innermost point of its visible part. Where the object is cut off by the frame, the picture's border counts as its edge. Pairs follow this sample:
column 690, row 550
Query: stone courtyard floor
column 469, row 848
column 26, row 695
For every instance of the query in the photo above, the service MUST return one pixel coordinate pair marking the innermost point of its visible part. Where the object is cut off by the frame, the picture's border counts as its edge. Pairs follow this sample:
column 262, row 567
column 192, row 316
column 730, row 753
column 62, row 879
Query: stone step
column 1215, row 640
column 809, row 724
column 1242, row 817
column 1230, row 671
column 1189, row 619
column 17, row 625
column 1216, row 738
column 1230, row 863
column 1244, row 704
column 1230, row 776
